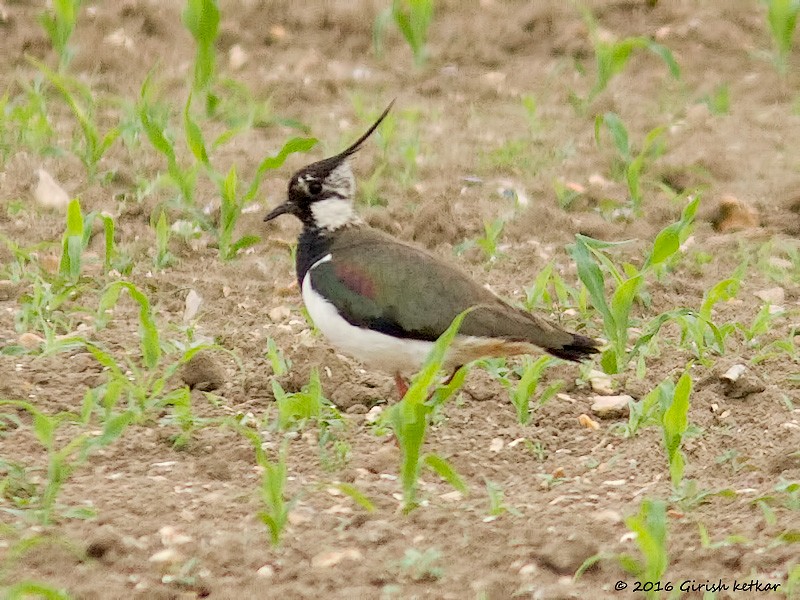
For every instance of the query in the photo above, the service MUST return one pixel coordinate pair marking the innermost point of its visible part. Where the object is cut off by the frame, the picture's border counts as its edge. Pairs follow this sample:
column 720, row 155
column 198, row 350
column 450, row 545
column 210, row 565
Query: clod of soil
column 203, row 372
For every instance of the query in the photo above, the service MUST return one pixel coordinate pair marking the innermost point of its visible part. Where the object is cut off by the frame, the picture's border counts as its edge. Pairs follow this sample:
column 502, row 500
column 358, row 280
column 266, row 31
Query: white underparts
column 394, row 355
column 374, row 349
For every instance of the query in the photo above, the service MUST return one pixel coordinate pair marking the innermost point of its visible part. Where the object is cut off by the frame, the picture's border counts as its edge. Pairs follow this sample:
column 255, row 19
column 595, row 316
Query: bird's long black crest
column 357, row 144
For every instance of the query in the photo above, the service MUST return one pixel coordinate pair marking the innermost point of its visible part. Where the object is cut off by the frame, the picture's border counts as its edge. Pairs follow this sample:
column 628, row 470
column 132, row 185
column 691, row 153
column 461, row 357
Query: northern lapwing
column 384, row 301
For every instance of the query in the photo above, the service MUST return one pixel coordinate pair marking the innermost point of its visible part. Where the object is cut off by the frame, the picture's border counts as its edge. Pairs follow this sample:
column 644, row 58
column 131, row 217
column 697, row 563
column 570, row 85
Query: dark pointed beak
column 282, row 209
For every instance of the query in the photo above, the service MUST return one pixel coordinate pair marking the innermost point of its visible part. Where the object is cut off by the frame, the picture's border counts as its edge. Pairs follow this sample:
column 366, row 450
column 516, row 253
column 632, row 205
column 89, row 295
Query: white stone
column 609, row 406
column 49, row 193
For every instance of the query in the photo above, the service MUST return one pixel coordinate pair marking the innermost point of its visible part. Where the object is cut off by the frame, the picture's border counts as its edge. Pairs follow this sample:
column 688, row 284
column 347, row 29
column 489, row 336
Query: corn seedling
column 612, row 55
column 632, row 165
column 549, row 291
column 629, row 282
column 24, row 122
column 649, row 411
column 95, row 144
column 522, row 392
column 73, row 243
column 34, row 589
column 273, row 485
column 281, row 364
column 565, row 195
column 297, row 409
column 782, row 19
column 497, row 505
column 163, row 257
column 232, row 204
column 61, row 461
column 413, row 19
column 675, row 423
column 650, row 527
column 59, row 23
column 154, row 125
column 719, row 100
column 143, row 383
column 422, row 566
column 201, row 18
column 488, row 242
column 409, row 419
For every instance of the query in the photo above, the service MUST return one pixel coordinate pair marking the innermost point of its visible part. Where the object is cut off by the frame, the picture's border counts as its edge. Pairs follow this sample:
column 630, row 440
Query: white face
column 333, row 213
column 341, row 181
column 335, row 209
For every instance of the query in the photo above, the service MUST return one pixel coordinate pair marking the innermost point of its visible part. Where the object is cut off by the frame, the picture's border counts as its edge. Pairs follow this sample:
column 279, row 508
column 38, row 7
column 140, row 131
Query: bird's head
column 321, row 194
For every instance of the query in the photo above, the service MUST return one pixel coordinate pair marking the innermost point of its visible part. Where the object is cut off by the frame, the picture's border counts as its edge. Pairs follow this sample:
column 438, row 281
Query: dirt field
column 492, row 127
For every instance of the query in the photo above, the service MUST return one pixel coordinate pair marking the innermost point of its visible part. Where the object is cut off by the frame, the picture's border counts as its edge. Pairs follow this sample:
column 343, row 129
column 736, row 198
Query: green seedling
column 719, row 101
column 675, row 423
column 95, row 144
column 142, row 382
column 163, row 257
column 549, row 291
column 42, row 309
column 650, row 527
column 275, row 514
column 233, row 204
column 497, row 505
column 649, row 411
column 34, row 589
column 522, row 393
column 629, row 282
column 760, row 325
column 76, row 238
column 488, row 242
column 24, row 120
column 61, row 460
column 201, row 18
column 281, row 364
column 422, row 566
column 241, row 110
column 413, row 19
column 297, row 409
column 632, row 165
column 73, row 243
column 531, row 107
column 612, row 55
column 565, row 195
column 59, row 23
column 409, row 419
column 782, row 19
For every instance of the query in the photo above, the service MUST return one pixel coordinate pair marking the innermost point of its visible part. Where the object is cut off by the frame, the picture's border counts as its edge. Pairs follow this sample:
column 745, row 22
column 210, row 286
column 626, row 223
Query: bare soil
column 315, row 62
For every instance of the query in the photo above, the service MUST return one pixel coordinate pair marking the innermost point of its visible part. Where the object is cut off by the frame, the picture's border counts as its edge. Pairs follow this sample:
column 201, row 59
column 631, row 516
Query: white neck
column 333, row 213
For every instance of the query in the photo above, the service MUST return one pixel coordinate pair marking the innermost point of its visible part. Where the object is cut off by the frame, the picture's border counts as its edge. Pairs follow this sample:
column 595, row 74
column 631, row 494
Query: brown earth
column 461, row 115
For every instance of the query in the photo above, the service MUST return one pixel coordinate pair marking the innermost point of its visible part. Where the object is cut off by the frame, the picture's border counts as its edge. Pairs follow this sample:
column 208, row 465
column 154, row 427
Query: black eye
column 314, row 187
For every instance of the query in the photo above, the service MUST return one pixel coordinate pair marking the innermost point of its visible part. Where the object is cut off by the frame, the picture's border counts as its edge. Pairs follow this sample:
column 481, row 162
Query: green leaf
column 194, row 136
column 72, row 246
column 665, row 54
column 356, row 495
column 618, row 133
column 446, row 471
column 275, row 162
column 675, row 423
column 114, row 427
column 591, row 276
column 242, row 243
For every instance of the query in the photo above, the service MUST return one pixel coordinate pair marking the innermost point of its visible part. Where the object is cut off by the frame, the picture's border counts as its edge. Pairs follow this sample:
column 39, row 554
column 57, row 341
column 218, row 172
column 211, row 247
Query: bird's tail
column 577, row 349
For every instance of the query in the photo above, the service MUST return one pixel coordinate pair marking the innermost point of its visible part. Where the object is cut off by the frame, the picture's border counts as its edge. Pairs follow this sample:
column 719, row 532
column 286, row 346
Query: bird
column 385, row 301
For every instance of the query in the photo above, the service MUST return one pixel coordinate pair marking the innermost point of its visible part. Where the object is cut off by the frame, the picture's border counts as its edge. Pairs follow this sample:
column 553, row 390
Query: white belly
column 374, row 349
